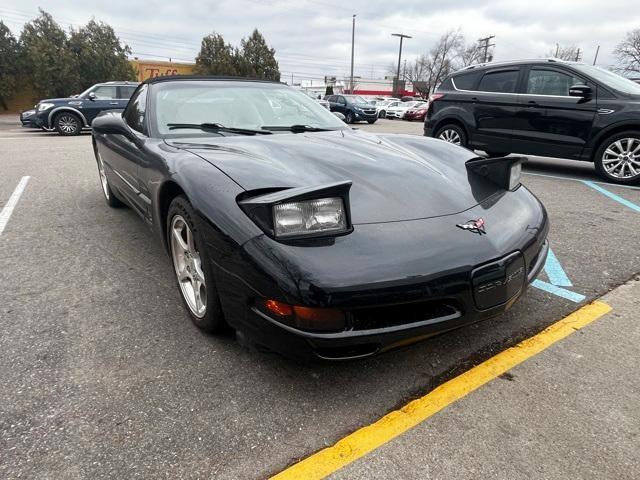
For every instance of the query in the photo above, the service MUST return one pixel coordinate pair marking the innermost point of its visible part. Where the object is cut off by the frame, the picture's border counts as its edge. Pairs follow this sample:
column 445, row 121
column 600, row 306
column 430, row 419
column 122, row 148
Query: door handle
column 113, row 103
column 532, row 103
column 474, row 99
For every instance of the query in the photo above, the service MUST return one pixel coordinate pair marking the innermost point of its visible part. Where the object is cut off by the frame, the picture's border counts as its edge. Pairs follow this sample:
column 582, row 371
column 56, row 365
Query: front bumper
column 365, row 116
column 397, row 283
column 27, row 119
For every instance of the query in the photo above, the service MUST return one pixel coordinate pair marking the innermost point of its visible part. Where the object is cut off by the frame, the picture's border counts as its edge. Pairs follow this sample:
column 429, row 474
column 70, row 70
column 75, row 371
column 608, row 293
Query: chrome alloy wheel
column 103, row 176
column 188, row 266
column 621, row 159
column 68, row 124
column 450, row 136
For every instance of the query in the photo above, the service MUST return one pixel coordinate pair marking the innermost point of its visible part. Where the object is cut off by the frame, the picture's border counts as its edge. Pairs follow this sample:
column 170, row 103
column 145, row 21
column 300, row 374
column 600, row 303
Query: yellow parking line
column 368, row 438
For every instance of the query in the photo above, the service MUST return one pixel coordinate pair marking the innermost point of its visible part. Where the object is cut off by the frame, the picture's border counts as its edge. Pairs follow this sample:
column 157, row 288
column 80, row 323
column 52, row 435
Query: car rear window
column 466, row 81
column 503, row 81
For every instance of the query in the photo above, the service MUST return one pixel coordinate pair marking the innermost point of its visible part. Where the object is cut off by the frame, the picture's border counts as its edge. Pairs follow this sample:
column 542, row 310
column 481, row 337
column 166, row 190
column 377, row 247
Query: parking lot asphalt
column 102, row 374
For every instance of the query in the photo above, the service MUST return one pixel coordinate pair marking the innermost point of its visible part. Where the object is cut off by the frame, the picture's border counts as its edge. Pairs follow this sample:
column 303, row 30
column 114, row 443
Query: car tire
column 192, row 267
column 615, row 159
column 109, row 196
column 382, row 114
column 371, row 122
column 67, row 124
column 496, row 154
column 349, row 118
column 453, row 134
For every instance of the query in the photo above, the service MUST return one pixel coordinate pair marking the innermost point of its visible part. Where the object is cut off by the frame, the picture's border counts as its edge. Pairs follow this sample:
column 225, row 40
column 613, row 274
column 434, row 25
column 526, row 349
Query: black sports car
column 308, row 237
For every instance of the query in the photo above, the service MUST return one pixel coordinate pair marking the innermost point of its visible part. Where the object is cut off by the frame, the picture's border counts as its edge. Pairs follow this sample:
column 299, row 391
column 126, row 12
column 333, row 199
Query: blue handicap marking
column 557, row 280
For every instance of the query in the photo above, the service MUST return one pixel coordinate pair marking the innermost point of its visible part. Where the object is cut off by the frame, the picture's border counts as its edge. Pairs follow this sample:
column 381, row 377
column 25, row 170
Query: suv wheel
column 382, row 114
column 618, row 158
column 452, row 134
column 67, row 123
column 349, row 117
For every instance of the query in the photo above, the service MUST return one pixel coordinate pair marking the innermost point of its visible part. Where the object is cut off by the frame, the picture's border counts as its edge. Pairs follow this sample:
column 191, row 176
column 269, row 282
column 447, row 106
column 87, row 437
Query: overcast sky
column 312, row 38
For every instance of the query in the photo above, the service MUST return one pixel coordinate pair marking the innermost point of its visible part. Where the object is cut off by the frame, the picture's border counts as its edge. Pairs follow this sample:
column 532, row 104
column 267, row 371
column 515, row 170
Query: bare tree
column 570, row 53
column 429, row 70
column 469, row 55
column 627, row 52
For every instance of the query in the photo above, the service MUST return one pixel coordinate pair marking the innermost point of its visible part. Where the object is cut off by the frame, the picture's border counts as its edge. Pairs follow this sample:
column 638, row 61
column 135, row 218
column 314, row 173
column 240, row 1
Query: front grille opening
column 396, row 315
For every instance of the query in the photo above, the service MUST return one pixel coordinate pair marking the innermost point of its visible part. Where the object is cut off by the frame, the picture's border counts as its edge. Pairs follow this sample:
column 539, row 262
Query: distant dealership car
column 399, row 110
column 353, row 107
column 68, row 116
column 545, row 107
column 383, row 105
column 417, row 113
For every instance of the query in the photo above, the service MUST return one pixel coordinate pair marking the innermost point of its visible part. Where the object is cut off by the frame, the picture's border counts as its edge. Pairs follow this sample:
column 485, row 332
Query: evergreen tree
column 217, row 57
column 257, row 59
column 9, row 64
column 48, row 62
column 99, row 55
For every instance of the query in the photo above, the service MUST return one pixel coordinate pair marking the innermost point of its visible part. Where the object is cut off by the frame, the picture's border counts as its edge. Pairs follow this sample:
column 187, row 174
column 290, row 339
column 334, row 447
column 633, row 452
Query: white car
column 383, row 105
column 399, row 110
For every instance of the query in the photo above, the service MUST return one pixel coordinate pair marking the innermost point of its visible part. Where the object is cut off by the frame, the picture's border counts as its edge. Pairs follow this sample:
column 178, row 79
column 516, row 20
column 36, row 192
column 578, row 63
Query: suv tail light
column 435, row 96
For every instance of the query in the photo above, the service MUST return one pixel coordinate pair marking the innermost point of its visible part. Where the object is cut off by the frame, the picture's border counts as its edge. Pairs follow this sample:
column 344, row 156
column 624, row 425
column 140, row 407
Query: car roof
column 509, row 63
column 178, row 78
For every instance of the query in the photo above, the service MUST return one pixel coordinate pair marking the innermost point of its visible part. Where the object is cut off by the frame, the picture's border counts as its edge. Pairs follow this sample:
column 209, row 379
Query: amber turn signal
column 306, row 318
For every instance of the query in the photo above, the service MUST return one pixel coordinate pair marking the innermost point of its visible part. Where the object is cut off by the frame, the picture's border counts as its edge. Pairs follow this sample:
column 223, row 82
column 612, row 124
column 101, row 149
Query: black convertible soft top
column 172, row 78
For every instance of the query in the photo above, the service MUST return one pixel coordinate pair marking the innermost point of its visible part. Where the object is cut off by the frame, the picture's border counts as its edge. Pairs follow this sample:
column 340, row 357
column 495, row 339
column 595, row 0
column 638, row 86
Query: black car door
column 103, row 97
column 550, row 122
column 494, row 105
column 125, row 155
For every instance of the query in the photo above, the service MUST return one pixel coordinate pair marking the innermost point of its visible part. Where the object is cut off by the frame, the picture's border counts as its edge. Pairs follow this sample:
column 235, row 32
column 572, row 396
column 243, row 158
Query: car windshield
column 238, row 105
column 357, row 99
column 610, row 79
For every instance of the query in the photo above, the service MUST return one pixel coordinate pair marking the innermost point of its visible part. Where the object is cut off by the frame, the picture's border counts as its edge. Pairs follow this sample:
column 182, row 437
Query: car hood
column 58, row 100
column 394, row 177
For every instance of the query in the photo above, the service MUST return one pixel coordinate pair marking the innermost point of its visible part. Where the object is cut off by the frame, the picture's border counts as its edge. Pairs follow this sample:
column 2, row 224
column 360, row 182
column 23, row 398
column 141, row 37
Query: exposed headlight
column 309, row 217
column 44, row 106
column 514, row 175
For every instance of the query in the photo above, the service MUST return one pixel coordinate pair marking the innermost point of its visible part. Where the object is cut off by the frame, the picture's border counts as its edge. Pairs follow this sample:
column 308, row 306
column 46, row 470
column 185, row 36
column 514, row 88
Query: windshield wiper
column 216, row 127
column 295, row 128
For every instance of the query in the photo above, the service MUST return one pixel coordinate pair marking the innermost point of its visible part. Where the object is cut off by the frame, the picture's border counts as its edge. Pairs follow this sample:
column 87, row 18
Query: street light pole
column 353, row 37
column 402, row 37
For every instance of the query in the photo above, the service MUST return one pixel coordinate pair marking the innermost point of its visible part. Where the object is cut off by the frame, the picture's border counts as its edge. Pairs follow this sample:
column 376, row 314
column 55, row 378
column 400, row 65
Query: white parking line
column 6, row 212
column 561, row 177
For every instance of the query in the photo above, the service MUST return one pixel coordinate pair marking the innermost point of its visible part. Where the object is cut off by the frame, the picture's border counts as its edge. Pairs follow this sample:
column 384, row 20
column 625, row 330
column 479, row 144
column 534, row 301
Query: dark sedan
column 310, row 238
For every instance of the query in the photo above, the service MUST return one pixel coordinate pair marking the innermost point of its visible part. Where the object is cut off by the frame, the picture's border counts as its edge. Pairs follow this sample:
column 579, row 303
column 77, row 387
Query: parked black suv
column 542, row 107
column 353, row 107
column 68, row 116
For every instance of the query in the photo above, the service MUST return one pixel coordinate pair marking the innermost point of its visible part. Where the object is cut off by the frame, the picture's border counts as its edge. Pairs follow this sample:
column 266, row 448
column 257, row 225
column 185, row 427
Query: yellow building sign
column 151, row 68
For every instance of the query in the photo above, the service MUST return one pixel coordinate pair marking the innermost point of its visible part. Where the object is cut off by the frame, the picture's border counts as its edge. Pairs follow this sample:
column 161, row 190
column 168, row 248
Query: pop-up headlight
column 310, row 216
column 503, row 171
column 302, row 212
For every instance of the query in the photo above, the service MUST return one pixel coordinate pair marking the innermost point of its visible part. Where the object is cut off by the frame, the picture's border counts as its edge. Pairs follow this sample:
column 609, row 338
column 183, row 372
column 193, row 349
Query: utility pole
column 353, row 38
column 557, row 50
column 596, row 56
column 402, row 37
column 486, row 46
column 578, row 55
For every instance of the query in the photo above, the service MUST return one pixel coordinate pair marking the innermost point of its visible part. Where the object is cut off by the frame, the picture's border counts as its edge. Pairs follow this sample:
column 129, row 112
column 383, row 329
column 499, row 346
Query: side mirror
column 580, row 90
column 92, row 96
column 114, row 124
column 340, row 116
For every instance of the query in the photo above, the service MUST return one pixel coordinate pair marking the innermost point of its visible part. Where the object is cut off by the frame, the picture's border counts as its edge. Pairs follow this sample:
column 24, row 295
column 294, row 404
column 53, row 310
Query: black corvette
column 310, row 238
